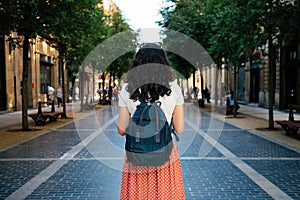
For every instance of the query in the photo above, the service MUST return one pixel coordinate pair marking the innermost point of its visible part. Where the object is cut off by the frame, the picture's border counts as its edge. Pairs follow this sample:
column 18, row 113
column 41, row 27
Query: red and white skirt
column 151, row 182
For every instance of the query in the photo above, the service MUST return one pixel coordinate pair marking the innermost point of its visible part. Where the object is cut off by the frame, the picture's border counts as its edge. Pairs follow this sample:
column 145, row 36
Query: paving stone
column 216, row 179
column 245, row 144
column 84, row 176
column 195, row 147
column 79, row 179
column 209, row 122
column 50, row 145
column 13, row 174
column 283, row 173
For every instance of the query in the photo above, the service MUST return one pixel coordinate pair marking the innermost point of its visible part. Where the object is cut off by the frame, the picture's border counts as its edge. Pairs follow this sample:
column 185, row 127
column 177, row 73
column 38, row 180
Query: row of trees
column 231, row 30
column 73, row 27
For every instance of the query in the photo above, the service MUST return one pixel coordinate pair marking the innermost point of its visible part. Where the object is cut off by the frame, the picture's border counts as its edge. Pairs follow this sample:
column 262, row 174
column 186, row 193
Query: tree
column 213, row 24
column 187, row 18
column 25, row 18
column 119, row 66
column 274, row 26
column 76, row 29
column 232, row 38
column 73, row 27
column 235, row 28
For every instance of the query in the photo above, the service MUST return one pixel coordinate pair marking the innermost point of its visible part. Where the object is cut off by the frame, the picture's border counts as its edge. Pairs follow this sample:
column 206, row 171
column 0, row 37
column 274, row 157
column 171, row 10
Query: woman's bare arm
column 178, row 119
column 123, row 120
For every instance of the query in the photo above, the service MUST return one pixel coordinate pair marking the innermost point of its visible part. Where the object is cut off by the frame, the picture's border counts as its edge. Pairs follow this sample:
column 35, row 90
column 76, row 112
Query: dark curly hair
column 149, row 74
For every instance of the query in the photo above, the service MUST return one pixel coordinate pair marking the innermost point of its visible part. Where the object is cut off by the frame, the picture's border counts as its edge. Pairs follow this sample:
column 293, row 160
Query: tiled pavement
column 83, row 160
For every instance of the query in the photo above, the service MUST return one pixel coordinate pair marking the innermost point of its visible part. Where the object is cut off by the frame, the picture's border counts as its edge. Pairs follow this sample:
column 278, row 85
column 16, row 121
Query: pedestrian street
column 83, row 160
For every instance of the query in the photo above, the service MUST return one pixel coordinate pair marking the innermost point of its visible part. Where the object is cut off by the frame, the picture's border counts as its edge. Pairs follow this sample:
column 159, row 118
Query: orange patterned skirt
column 149, row 182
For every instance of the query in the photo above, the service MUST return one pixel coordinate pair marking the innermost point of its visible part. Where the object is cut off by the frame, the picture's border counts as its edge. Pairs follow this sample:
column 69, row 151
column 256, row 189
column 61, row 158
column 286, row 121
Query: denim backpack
column 149, row 136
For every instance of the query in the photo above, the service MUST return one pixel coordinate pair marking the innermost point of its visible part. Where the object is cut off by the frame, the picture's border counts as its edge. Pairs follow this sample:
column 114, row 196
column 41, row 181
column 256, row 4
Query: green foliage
column 187, row 18
column 232, row 34
column 22, row 16
column 113, row 53
column 120, row 66
column 227, row 28
column 233, row 29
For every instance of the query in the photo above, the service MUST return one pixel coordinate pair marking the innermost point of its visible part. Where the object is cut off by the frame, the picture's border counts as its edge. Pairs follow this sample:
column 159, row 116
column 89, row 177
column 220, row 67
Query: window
column 293, row 55
column 45, row 78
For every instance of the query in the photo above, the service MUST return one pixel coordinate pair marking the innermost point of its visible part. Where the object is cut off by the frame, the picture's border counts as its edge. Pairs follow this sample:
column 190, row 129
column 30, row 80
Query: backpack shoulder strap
column 173, row 131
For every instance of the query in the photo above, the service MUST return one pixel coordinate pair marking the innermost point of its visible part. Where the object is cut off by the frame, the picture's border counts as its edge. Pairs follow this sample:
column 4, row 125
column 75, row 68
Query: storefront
column 241, row 84
column 46, row 68
column 254, row 78
column 290, row 74
column 42, row 71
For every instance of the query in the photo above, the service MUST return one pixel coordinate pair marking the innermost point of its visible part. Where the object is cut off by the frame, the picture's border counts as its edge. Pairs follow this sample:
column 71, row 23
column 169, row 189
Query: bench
column 291, row 125
column 41, row 117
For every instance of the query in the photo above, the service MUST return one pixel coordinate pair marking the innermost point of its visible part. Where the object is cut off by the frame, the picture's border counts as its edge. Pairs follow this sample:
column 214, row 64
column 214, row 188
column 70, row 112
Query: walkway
column 220, row 160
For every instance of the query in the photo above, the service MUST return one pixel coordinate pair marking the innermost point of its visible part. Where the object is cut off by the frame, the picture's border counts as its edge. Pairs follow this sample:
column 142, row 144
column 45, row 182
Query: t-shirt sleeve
column 123, row 97
column 177, row 92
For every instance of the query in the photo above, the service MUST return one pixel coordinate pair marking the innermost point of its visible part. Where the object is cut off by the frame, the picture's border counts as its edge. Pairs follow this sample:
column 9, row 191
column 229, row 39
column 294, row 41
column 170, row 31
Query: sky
column 140, row 13
column 143, row 14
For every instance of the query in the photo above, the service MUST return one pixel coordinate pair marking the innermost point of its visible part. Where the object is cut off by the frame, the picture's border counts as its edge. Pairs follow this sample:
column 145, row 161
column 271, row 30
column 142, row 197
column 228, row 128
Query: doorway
column 291, row 86
column 254, row 85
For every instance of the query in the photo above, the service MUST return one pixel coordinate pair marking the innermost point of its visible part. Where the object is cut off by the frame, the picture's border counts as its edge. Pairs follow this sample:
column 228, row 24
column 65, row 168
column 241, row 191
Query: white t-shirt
column 50, row 90
column 59, row 92
column 231, row 100
column 168, row 103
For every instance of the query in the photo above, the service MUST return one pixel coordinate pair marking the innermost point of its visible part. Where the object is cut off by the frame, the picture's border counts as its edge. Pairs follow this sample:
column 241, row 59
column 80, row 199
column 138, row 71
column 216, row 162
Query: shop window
column 45, row 78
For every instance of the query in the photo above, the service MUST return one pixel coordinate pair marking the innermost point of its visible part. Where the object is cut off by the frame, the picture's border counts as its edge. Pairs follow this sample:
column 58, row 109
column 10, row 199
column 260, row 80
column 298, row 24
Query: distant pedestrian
column 99, row 92
column 59, row 95
column 230, row 102
column 196, row 91
column 206, row 95
column 50, row 92
column 116, row 93
column 71, row 93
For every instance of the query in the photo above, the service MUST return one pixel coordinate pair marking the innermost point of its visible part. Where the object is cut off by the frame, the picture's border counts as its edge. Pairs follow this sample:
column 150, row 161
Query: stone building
column 43, row 72
column 252, row 78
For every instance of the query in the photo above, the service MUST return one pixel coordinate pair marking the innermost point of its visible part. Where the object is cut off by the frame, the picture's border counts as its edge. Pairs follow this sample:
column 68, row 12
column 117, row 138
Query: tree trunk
column 202, row 82
column 272, row 65
column 234, row 90
column 24, row 84
column 217, row 96
column 81, row 84
column 194, row 84
column 93, row 100
column 103, row 76
column 187, row 88
column 61, row 63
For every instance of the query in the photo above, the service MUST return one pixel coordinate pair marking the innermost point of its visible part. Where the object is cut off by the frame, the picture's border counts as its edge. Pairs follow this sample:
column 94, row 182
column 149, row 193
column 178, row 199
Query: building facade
column 289, row 75
column 43, row 72
column 252, row 78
